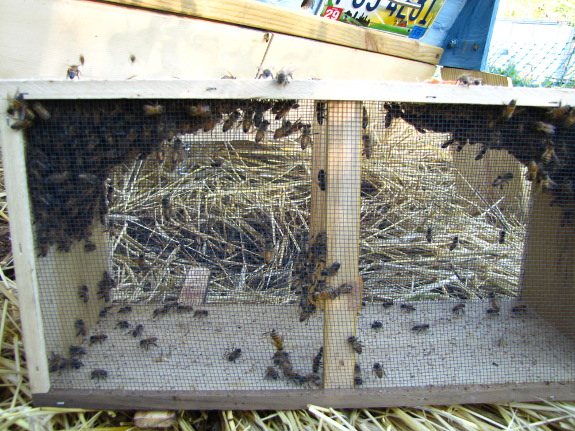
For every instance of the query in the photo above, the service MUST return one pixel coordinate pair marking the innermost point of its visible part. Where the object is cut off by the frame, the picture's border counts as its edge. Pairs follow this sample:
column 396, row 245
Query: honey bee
column 75, row 363
column 321, row 179
column 167, row 208
column 277, row 340
column 429, row 234
column 80, row 327
column 532, row 171
column 387, row 303
column 200, row 110
column 458, row 309
column 234, row 355
column 546, row 128
column 519, row 309
column 21, row 124
column 558, row 113
column 407, row 308
column 232, row 119
column 160, row 311
column 200, row 313
column 482, row 152
column 357, row 380
column 306, row 312
column 212, row 121
column 73, row 72
column 137, row 331
column 376, row 324
column 508, row 110
column 492, row 311
column 317, row 361
column 418, row 329
column 454, row 243
column 281, row 357
column 284, row 130
column 98, row 339
column 248, row 120
column 272, row 373
column 147, row 342
column 549, row 154
column 570, row 118
column 83, row 294
column 305, row 138
column 76, row 351
column 57, row 362
column 283, row 76
column 89, row 246
column 355, row 344
column 502, row 234
column 264, row 73
column 125, row 309
column 331, row 271
column 367, row 145
column 464, row 80
column 378, row 370
column 332, row 292
column 228, row 76
column 282, row 108
column 98, row 374
column 261, row 132
column 104, row 311
column 151, row 110
column 321, row 112
column 182, row 308
column 42, row 112
column 123, row 324
column 502, row 179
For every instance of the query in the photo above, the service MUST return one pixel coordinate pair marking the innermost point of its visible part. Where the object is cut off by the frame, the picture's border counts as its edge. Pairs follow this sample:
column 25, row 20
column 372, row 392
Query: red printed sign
column 332, row 12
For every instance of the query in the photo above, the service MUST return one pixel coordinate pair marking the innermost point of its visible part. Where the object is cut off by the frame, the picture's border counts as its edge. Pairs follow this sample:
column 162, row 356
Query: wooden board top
column 391, row 91
column 249, row 13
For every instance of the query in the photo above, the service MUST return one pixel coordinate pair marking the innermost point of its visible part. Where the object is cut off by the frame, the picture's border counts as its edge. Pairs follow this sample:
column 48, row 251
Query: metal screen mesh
column 194, row 245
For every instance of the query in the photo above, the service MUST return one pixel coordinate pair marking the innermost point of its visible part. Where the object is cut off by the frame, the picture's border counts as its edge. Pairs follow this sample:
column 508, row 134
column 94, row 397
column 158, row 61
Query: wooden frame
column 337, row 93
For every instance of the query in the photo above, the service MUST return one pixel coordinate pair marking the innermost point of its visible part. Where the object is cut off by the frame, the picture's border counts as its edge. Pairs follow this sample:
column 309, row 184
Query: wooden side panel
column 65, row 273
column 282, row 20
column 343, row 208
column 317, row 60
column 476, row 177
column 549, row 266
column 14, row 163
column 53, row 34
column 300, row 399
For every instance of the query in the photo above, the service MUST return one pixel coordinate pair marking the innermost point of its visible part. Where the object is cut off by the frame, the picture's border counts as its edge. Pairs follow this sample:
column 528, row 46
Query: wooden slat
column 548, row 277
column 282, row 20
column 300, row 399
column 342, row 212
column 315, row 90
column 15, row 181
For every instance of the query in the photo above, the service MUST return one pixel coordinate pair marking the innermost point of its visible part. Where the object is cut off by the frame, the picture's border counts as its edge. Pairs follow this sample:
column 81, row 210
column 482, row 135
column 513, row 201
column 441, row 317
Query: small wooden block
column 195, row 287
column 155, row 419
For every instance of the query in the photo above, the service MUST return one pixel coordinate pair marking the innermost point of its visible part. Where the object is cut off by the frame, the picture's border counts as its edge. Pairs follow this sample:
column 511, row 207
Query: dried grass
column 17, row 413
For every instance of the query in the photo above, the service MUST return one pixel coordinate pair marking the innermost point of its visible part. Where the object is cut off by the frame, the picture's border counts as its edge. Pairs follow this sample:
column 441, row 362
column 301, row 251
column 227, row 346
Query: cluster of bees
column 281, row 359
column 540, row 138
column 73, row 146
column 58, row 362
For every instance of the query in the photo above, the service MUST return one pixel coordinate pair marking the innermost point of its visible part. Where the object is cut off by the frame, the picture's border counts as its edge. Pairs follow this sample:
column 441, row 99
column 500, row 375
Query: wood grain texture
column 300, row 399
column 282, row 20
column 308, row 89
column 342, row 214
column 15, row 181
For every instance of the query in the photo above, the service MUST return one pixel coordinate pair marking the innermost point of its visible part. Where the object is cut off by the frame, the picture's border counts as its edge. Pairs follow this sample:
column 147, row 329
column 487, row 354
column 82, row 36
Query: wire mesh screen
column 231, row 244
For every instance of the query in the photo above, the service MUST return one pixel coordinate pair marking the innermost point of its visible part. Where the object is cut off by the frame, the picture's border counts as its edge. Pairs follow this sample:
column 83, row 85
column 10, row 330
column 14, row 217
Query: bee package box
column 262, row 244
